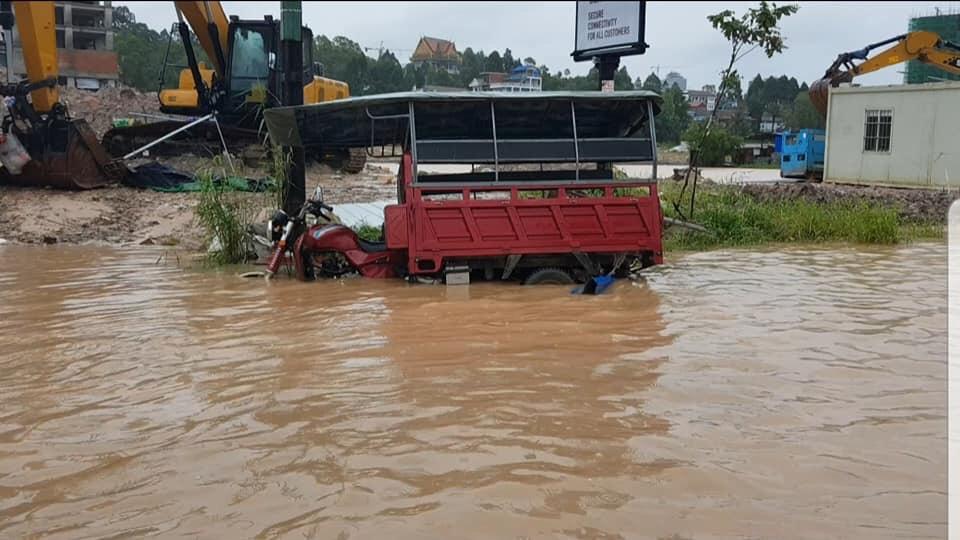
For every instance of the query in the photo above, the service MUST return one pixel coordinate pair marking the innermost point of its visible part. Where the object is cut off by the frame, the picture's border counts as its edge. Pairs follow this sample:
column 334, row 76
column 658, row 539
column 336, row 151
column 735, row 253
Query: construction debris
column 101, row 107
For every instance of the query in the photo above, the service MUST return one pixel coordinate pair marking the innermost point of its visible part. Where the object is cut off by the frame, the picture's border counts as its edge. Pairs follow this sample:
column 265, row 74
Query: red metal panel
column 395, row 219
column 482, row 226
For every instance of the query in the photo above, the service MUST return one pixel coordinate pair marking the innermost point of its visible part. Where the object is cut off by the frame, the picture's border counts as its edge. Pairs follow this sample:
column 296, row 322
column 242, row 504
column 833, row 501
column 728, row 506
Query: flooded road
column 737, row 394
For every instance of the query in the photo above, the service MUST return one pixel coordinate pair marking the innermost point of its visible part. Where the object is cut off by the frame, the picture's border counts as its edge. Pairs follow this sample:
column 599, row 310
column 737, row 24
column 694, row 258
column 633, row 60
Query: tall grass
column 224, row 215
column 279, row 164
column 737, row 219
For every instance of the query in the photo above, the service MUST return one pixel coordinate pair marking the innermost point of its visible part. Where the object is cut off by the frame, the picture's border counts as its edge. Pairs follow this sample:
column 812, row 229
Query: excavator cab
column 244, row 81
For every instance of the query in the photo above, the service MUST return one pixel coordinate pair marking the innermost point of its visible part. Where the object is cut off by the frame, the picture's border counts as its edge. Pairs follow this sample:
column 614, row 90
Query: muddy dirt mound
column 99, row 108
column 916, row 205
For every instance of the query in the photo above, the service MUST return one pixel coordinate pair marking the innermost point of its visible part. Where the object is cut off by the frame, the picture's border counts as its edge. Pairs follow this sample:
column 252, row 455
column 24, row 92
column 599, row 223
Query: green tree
column 622, row 80
column 673, row 119
column 386, row 75
column 713, row 147
column 472, row 66
column 652, row 83
column 414, row 77
column 494, row 62
column 344, row 60
column 508, row 60
column 802, row 114
column 141, row 51
column 757, row 28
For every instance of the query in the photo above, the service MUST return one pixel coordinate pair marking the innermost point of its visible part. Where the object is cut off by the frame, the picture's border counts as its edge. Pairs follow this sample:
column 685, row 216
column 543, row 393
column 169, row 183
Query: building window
column 876, row 130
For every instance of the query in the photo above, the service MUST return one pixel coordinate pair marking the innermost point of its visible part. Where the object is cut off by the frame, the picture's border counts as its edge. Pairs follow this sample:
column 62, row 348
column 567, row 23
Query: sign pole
column 607, row 67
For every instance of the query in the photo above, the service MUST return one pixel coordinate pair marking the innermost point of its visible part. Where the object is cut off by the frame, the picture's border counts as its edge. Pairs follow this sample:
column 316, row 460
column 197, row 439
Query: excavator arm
column 37, row 25
column 39, row 143
column 210, row 24
column 926, row 47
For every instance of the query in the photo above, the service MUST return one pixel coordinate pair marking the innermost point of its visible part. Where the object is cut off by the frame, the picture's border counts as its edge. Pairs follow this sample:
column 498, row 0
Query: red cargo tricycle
column 534, row 198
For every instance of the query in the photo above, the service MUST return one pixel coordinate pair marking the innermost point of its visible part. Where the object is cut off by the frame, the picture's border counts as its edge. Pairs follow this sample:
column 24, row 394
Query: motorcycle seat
column 372, row 247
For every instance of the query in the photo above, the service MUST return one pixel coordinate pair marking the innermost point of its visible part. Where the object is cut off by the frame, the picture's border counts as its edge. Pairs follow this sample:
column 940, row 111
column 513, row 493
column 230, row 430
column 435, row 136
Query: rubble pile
column 99, row 108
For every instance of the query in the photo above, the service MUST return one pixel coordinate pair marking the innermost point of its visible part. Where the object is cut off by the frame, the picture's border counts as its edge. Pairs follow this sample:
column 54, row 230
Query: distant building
column 85, row 52
column 702, row 99
column 675, row 79
column 438, row 53
column 770, row 123
column 948, row 27
column 525, row 78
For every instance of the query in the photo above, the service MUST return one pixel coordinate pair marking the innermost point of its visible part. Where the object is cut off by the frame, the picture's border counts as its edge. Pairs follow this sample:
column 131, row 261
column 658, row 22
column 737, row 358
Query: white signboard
column 609, row 27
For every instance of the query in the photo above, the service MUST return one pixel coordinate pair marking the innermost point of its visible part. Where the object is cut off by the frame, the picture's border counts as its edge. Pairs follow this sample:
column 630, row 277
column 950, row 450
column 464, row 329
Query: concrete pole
column 291, row 56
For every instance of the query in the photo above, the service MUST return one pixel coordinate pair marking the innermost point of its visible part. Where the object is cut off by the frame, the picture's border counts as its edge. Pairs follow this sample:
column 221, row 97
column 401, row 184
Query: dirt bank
column 124, row 215
column 913, row 205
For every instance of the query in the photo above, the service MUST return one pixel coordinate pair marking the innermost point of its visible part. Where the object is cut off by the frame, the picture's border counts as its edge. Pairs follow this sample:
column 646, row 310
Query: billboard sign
column 609, row 28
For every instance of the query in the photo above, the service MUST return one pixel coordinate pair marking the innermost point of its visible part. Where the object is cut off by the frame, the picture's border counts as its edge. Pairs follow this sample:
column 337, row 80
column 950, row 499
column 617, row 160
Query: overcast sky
column 678, row 33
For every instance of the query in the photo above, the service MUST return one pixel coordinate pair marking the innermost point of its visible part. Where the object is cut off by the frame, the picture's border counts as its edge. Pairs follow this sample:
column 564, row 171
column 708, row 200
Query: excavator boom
column 210, row 24
column 37, row 22
column 39, row 143
column 926, row 47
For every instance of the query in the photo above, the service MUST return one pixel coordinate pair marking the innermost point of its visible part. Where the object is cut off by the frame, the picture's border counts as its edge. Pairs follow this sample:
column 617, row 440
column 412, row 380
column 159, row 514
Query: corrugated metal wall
column 924, row 144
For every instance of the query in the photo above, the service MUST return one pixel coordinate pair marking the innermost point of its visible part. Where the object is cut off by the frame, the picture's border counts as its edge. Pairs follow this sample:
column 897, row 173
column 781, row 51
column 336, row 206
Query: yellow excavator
column 40, row 144
column 243, row 80
column 923, row 46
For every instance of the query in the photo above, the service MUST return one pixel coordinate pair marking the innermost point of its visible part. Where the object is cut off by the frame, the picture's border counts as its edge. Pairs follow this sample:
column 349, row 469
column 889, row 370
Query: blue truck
column 801, row 153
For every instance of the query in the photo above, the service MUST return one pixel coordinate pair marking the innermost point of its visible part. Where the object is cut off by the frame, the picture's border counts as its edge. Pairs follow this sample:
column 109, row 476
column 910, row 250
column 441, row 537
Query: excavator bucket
column 820, row 90
column 69, row 157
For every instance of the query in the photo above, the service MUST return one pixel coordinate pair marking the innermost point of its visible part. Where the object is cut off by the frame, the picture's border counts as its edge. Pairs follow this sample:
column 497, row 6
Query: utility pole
column 291, row 61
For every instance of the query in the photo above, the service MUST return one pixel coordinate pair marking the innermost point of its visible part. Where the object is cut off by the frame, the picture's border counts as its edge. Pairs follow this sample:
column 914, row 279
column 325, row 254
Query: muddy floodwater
column 796, row 393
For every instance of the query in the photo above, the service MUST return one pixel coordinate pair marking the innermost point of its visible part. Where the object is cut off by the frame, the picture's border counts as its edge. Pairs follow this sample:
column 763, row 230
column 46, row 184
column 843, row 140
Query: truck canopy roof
column 475, row 120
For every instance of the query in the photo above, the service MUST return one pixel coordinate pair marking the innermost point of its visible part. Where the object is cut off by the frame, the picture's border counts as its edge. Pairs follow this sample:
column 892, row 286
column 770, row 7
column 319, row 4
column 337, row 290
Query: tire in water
column 549, row 276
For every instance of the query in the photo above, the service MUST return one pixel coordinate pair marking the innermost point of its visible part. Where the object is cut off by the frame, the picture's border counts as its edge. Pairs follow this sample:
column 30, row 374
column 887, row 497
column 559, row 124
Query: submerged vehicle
column 540, row 201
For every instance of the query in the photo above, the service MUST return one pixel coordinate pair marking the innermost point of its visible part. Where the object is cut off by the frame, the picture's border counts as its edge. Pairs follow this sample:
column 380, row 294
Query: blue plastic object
column 596, row 285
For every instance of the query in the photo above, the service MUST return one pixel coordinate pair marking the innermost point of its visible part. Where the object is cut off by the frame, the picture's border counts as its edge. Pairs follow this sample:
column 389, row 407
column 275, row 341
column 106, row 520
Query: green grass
column 224, row 216
column 368, row 232
column 736, row 219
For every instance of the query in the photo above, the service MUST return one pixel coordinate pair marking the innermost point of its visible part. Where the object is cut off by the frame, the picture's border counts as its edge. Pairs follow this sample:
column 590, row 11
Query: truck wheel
column 549, row 276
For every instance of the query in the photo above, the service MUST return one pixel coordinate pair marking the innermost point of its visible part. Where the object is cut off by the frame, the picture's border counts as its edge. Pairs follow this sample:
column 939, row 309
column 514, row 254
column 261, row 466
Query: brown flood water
column 741, row 394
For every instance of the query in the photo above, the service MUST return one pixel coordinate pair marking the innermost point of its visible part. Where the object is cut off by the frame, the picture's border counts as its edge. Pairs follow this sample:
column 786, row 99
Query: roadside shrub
column 716, row 147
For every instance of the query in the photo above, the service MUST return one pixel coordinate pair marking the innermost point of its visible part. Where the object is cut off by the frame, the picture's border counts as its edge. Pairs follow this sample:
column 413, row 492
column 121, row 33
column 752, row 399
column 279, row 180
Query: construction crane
column 923, row 46
column 40, row 143
column 245, row 78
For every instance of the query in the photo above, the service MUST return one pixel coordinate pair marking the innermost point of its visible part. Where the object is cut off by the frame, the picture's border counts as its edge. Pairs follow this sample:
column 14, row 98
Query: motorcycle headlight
column 276, row 224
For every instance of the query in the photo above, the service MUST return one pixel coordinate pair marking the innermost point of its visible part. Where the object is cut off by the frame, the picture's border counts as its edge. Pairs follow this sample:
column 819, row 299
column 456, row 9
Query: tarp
column 159, row 177
column 347, row 122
